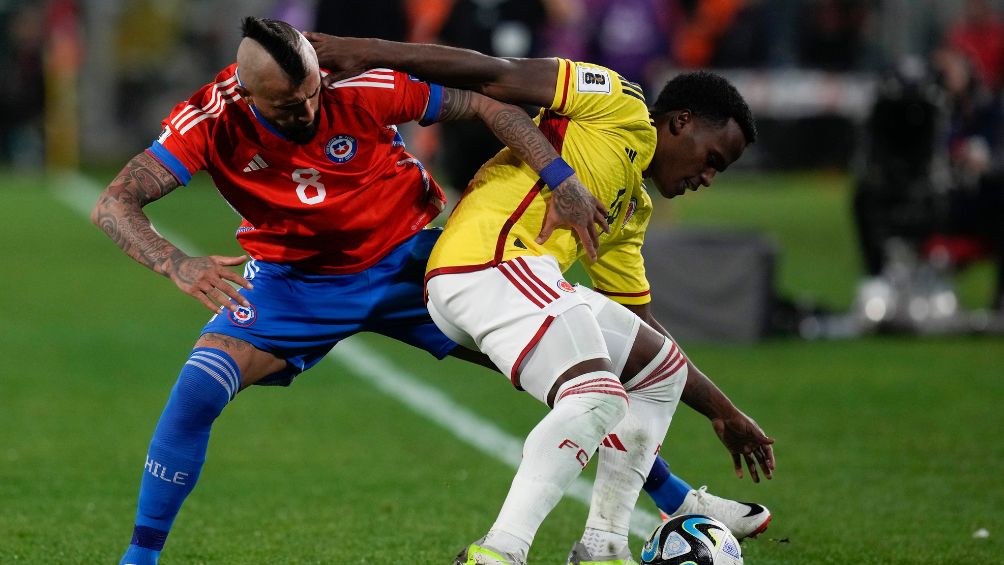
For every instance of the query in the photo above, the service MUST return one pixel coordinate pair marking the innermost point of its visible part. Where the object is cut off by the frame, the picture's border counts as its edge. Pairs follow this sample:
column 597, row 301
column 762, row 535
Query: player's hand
column 745, row 440
column 339, row 55
column 572, row 206
column 207, row 279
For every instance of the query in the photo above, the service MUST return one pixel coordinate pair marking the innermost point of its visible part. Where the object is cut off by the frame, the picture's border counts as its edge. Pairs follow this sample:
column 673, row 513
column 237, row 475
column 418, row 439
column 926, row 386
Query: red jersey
column 335, row 205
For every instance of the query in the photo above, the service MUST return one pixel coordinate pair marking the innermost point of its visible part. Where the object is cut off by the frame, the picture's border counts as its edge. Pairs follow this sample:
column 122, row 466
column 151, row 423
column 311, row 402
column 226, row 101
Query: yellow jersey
column 599, row 123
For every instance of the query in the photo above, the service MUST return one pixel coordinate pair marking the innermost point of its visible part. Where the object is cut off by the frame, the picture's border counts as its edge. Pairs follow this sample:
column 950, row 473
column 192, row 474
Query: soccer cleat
column 744, row 519
column 581, row 556
column 477, row 554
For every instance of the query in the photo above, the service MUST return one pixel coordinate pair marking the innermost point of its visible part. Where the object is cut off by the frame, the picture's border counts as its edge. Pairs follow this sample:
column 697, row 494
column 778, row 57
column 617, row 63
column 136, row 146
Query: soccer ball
column 691, row 539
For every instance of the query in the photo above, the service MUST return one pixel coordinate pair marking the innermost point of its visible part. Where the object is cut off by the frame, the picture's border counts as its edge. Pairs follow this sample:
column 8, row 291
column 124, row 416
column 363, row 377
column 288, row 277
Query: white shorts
column 504, row 311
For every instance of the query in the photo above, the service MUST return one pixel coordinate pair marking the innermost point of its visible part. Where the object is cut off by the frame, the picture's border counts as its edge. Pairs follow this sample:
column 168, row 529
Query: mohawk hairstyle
column 281, row 41
column 708, row 96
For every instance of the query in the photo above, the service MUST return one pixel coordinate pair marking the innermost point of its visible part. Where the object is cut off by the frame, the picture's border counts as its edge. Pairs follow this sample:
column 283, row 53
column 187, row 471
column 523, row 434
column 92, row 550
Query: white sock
column 627, row 455
column 620, row 474
column 554, row 454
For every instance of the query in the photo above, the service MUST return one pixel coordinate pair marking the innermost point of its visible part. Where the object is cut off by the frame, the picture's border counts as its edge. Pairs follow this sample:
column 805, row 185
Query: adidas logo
column 255, row 164
column 613, row 442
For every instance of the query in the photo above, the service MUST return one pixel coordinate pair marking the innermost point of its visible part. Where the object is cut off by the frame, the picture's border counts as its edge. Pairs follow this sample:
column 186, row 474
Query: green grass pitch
column 889, row 449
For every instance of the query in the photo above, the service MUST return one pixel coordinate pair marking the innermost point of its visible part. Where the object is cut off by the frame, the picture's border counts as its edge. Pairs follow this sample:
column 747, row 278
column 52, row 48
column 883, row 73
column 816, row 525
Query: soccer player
column 587, row 354
column 334, row 212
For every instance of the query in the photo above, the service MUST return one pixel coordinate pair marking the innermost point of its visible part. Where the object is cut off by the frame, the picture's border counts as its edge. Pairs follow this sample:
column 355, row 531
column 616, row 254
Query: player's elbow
column 100, row 213
column 489, row 106
column 96, row 214
column 488, row 110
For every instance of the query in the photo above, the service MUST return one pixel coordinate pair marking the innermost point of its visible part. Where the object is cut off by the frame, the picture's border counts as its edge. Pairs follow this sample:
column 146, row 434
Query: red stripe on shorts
column 528, row 293
column 514, row 376
column 533, row 284
column 548, row 290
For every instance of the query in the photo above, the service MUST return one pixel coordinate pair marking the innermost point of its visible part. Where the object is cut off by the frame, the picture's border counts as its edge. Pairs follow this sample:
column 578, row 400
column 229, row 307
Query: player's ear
column 680, row 121
column 241, row 91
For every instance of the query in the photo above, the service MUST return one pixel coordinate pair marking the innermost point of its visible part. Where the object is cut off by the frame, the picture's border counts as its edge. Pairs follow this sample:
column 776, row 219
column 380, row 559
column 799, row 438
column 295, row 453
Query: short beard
column 301, row 136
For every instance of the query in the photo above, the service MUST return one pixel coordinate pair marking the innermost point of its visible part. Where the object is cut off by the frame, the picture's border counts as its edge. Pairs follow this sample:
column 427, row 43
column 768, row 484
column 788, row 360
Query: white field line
column 79, row 193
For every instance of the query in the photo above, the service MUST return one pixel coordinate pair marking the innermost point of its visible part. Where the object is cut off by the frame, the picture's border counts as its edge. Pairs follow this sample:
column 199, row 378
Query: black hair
column 281, row 41
column 708, row 96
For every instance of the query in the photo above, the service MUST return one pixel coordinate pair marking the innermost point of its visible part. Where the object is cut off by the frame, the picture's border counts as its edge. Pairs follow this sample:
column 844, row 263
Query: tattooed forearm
column 456, row 105
column 509, row 123
column 119, row 213
column 514, row 128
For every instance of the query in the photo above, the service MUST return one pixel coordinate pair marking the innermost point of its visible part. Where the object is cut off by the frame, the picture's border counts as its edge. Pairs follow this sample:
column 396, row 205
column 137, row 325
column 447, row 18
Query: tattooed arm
column 571, row 205
column 119, row 213
column 742, row 436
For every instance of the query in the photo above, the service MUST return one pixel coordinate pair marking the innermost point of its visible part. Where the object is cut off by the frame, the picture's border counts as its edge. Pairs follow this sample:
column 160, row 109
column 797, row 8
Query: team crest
column 244, row 316
column 565, row 285
column 341, row 148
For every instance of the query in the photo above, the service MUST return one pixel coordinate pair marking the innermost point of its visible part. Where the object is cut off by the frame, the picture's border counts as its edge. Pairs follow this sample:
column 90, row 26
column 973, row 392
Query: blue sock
column 208, row 381
column 666, row 489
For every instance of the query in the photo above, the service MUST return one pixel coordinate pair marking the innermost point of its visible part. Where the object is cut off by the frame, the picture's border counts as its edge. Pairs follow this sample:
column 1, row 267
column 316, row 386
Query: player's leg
column 217, row 368
column 654, row 372
column 648, row 363
column 587, row 403
column 549, row 344
column 267, row 341
column 667, row 491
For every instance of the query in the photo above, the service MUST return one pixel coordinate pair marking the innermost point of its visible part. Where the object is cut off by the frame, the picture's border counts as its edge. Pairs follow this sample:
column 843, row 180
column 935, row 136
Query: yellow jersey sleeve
column 597, row 94
column 619, row 270
column 600, row 125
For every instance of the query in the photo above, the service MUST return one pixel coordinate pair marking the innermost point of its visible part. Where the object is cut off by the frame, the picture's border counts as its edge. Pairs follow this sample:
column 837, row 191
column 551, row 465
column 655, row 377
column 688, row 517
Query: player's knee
column 599, row 395
column 208, row 381
column 614, row 407
column 662, row 379
column 257, row 364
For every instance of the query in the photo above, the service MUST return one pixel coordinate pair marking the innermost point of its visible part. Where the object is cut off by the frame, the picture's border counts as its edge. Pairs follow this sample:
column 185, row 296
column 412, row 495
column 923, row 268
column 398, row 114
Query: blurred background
column 842, row 282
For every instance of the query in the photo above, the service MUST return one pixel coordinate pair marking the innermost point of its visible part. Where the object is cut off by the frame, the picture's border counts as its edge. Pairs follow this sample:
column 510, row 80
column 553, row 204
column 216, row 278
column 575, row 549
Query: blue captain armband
column 435, row 106
column 172, row 163
column 556, row 172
